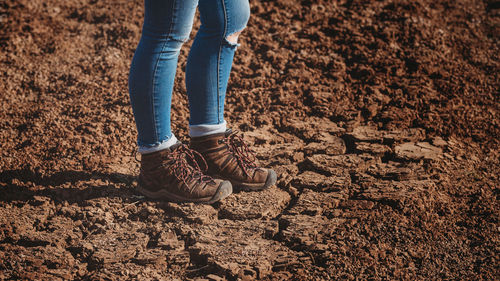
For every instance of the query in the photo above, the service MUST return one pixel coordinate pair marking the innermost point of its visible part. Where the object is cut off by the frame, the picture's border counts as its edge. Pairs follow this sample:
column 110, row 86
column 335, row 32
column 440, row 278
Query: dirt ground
column 381, row 117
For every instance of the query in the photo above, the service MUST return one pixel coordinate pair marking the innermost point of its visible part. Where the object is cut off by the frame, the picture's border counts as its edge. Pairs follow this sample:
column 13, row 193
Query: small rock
column 214, row 277
column 438, row 141
column 395, row 171
column 315, row 203
column 334, row 146
column 417, row 151
column 319, row 182
column 406, row 135
column 366, row 133
column 167, row 240
column 373, row 148
column 40, row 200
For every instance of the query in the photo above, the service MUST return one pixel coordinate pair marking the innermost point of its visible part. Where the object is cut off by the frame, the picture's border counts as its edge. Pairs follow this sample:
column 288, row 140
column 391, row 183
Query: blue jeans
column 167, row 25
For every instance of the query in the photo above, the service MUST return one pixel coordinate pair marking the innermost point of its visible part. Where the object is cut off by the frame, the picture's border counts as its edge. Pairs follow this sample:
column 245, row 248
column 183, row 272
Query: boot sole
column 223, row 191
column 245, row 186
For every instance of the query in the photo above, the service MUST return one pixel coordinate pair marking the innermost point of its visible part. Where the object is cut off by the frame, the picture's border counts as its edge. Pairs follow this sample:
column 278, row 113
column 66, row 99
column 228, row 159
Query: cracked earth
column 381, row 119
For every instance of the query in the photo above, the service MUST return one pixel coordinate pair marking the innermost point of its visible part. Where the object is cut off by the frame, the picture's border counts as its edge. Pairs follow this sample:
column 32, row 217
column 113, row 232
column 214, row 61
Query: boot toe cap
column 224, row 190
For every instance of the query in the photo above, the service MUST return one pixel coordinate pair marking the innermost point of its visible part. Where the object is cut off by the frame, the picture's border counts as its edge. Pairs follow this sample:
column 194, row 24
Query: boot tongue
column 228, row 132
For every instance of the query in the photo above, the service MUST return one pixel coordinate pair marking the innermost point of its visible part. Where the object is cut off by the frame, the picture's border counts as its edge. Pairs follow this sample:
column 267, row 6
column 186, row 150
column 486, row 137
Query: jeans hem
column 150, row 148
column 201, row 130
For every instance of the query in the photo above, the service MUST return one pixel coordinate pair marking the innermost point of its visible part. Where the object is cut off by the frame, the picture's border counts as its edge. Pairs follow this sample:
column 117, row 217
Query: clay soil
column 381, row 118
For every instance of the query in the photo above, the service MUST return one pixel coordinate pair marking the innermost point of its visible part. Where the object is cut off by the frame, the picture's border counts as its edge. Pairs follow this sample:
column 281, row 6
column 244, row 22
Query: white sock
column 205, row 130
column 163, row 145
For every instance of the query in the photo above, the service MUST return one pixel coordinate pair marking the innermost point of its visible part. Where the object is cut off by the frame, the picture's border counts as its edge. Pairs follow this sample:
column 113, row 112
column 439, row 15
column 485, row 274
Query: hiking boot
column 174, row 174
column 229, row 158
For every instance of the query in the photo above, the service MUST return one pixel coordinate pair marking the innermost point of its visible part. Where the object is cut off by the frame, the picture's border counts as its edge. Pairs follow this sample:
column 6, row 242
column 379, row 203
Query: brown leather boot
column 229, row 158
column 174, row 174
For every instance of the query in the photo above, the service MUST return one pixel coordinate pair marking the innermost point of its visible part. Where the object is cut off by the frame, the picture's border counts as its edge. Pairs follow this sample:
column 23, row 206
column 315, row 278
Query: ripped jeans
column 167, row 25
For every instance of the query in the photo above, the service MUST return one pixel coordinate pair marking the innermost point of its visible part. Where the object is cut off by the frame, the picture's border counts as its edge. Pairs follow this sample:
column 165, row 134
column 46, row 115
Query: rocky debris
column 319, row 131
column 282, row 155
column 105, row 250
column 213, row 277
column 155, row 258
column 286, row 174
column 38, row 263
column 259, row 137
column 308, row 179
column 353, row 209
column 27, row 227
column 132, row 271
column 316, row 203
column 176, row 253
column 404, row 135
column 366, row 134
column 403, row 195
column 196, row 213
column 333, row 146
column 286, row 170
column 310, row 225
column 333, row 77
column 337, row 164
column 167, row 240
column 114, row 247
column 313, row 234
column 41, row 201
column 372, row 134
column 252, row 205
column 373, row 148
column 284, row 261
column 238, row 248
column 396, row 171
column 417, row 151
column 440, row 142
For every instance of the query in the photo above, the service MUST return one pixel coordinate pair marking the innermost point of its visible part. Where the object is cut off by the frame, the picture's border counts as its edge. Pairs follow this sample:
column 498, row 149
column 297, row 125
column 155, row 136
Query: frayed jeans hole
column 233, row 38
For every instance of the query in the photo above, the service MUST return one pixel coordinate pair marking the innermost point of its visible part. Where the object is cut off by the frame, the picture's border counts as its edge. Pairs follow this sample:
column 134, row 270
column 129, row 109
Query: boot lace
column 183, row 162
column 240, row 150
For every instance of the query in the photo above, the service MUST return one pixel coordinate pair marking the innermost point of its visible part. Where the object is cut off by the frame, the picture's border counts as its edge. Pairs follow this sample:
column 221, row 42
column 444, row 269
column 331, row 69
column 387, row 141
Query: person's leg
column 207, row 74
column 169, row 170
column 167, row 24
column 210, row 60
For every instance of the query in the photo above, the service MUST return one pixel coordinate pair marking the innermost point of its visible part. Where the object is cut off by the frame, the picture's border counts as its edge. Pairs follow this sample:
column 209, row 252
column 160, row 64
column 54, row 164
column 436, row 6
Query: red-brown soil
column 381, row 118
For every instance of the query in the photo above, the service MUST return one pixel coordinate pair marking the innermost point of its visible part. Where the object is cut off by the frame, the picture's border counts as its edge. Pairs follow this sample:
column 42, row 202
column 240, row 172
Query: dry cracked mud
column 381, row 118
